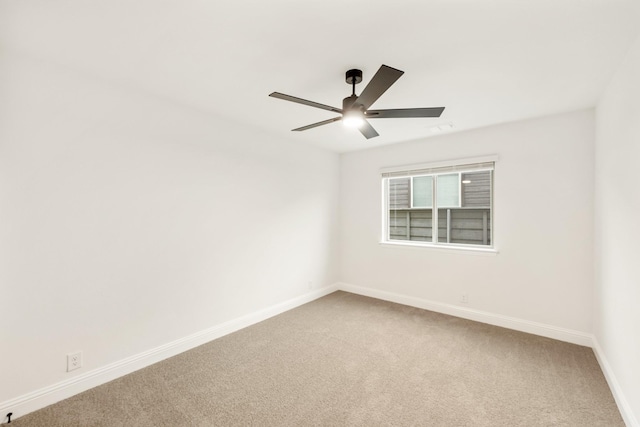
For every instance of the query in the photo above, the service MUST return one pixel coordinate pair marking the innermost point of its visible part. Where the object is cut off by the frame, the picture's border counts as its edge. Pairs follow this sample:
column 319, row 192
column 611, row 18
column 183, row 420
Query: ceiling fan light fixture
column 355, row 108
column 353, row 119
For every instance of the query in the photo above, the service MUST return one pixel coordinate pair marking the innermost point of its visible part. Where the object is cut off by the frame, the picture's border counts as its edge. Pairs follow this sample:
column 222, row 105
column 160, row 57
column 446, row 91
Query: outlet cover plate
column 74, row 361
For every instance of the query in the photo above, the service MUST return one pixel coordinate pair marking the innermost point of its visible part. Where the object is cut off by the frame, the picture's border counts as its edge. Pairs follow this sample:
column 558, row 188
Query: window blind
column 471, row 167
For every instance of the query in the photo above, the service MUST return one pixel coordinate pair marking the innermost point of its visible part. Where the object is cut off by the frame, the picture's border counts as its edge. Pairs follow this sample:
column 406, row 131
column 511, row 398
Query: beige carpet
column 348, row 360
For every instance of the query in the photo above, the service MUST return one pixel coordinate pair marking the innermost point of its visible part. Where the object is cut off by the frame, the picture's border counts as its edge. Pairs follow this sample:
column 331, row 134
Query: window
column 458, row 198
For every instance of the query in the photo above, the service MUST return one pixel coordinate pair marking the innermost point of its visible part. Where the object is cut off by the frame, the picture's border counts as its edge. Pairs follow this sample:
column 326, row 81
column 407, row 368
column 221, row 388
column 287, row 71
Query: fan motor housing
column 348, row 102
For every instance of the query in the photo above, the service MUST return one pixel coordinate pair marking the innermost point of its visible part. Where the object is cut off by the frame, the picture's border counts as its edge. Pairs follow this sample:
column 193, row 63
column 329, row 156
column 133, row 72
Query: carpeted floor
column 348, row 360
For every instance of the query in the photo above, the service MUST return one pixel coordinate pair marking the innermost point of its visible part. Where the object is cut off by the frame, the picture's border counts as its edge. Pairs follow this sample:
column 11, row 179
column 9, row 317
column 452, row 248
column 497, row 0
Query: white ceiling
column 487, row 61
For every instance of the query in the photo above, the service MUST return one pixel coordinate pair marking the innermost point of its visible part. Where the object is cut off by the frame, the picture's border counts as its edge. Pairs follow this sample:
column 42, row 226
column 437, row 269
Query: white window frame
column 388, row 173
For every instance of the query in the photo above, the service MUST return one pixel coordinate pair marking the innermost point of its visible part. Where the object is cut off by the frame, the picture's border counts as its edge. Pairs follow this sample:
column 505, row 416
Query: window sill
column 468, row 250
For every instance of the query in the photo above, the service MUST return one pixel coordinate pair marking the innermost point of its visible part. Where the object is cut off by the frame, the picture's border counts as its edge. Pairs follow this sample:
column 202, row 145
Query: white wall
column 617, row 228
column 128, row 221
column 543, row 223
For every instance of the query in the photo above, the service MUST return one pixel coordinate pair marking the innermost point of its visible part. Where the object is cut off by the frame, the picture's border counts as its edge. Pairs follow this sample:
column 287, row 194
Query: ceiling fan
column 355, row 109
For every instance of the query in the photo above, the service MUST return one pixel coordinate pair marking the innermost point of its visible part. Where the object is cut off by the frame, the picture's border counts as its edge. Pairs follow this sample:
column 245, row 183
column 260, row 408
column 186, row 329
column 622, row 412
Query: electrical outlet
column 464, row 298
column 74, row 361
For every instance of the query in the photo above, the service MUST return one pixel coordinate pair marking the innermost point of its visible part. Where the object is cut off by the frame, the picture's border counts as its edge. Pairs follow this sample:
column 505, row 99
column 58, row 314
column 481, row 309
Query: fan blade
column 404, row 112
column 381, row 81
column 305, row 102
column 367, row 130
column 315, row 125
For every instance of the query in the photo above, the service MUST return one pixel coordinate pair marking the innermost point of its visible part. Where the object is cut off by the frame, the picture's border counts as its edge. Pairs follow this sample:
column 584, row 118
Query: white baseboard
column 46, row 396
column 623, row 404
column 549, row 331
